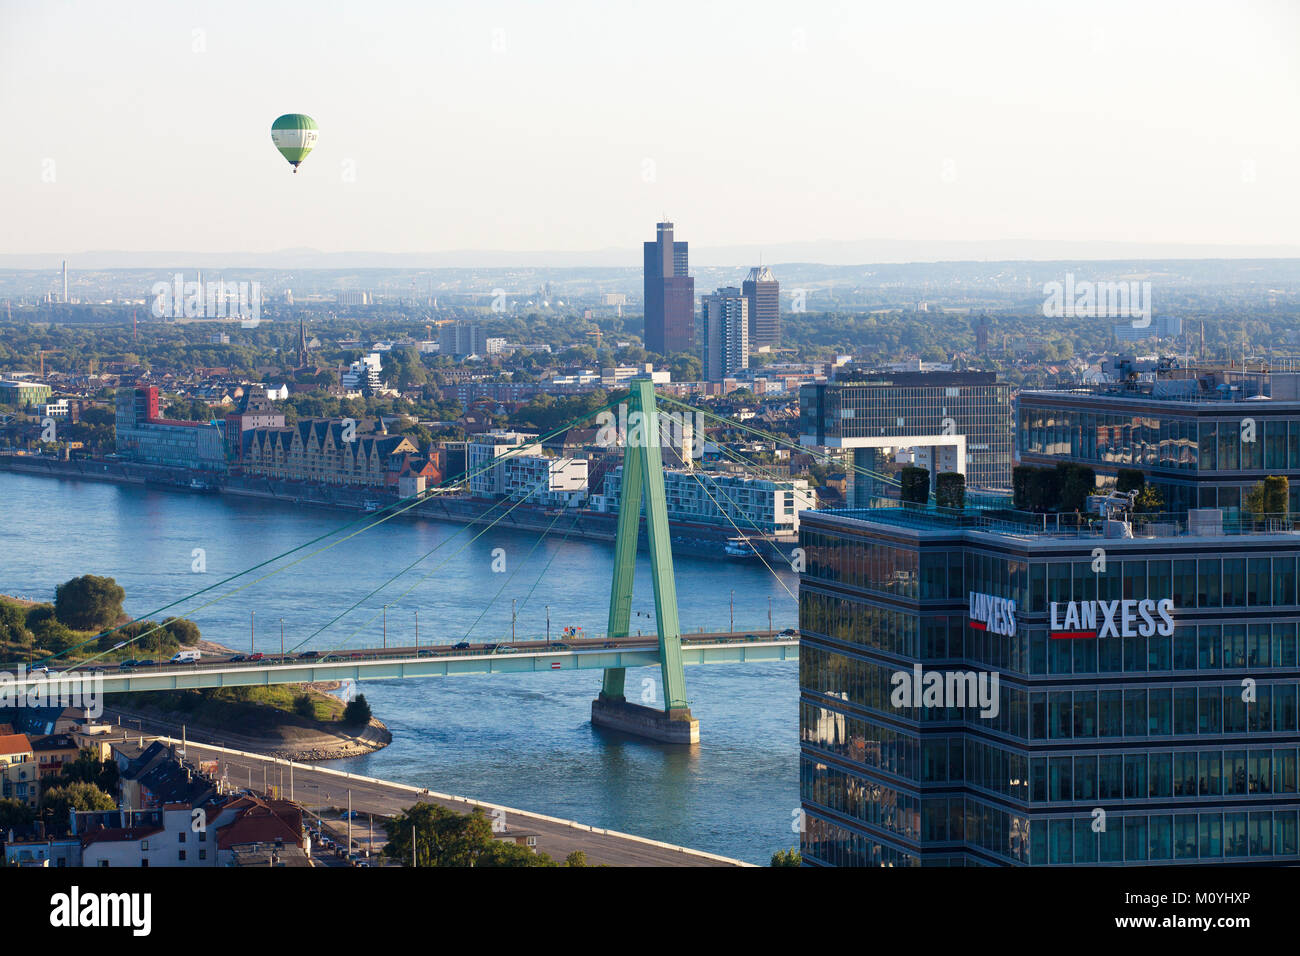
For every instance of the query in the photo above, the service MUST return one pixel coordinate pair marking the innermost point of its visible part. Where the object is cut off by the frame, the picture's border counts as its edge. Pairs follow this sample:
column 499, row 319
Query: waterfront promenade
column 318, row 787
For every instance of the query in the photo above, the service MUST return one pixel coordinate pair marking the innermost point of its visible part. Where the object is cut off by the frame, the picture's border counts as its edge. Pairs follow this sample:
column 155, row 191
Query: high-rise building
column 459, row 339
column 982, row 335
column 763, row 293
column 669, row 294
column 955, row 421
column 985, row 691
column 725, row 327
column 1202, row 435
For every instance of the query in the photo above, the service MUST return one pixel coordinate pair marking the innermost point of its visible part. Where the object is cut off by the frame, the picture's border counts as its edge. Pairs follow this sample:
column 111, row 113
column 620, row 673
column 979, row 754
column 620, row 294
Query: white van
column 186, row 657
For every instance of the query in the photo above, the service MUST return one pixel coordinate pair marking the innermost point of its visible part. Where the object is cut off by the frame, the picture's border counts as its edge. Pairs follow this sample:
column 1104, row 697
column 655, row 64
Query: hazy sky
column 575, row 125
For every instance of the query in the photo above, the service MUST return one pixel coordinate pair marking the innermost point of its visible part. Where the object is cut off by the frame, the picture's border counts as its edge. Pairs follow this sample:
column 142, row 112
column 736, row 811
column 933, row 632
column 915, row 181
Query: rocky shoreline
column 306, row 745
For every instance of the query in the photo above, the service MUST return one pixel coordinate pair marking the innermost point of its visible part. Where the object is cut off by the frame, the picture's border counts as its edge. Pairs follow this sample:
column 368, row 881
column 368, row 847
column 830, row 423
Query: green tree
column 1270, row 498
column 950, row 490
column 791, row 857
column 915, row 485
column 13, row 624
column 1148, row 501
column 576, row 858
column 88, row 603
column 185, row 631
column 15, row 815
column 500, row 853
column 1074, row 483
column 442, row 837
column 357, row 712
column 87, row 768
column 303, row 706
column 57, row 802
column 52, row 635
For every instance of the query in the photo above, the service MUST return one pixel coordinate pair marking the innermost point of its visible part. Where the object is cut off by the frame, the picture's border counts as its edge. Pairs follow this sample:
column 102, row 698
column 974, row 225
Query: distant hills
column 830, row 253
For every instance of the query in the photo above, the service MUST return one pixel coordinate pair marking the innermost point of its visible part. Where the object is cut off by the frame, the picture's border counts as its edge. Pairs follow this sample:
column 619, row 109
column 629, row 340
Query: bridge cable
column 413, row 500
column 781, row 440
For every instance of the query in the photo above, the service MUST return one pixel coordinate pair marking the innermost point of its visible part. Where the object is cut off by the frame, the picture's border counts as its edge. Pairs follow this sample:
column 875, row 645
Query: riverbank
column 687, row 538
column 266, row 730
column 289, row 739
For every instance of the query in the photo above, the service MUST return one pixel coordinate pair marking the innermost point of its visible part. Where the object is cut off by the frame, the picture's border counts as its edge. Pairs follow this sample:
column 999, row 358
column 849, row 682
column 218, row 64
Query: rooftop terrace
column 1205, row 522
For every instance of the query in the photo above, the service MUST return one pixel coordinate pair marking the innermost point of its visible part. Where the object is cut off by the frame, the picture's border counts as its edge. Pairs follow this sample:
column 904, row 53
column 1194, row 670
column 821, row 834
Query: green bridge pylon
column 643, row 473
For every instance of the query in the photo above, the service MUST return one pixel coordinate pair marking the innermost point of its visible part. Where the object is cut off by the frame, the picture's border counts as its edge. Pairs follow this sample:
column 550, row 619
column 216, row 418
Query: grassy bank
column 241, row 710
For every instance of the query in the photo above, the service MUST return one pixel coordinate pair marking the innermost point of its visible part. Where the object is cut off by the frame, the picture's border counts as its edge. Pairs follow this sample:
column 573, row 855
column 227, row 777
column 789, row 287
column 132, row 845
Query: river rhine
column 524, row 741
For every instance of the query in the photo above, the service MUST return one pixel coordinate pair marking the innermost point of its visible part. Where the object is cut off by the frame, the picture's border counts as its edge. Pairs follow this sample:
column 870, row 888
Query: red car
column 256, row 657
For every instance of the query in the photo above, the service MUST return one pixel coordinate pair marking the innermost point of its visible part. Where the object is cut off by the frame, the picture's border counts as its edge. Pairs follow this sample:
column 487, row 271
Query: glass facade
column 972, row 404
column 1178, row 747
column 1199, row 454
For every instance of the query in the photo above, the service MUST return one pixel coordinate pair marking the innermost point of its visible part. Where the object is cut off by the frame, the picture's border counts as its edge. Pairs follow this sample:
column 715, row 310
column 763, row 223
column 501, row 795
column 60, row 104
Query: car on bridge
column 789, row 632
column 558, row 646
column 256, row 657
column 127, row 664
column 460, row 646
column 505, row 649
column 236, row 659
column 308, row 655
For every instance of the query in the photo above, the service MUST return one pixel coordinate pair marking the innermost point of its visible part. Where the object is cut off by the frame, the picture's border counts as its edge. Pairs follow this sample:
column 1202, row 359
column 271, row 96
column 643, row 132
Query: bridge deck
column 431, row 661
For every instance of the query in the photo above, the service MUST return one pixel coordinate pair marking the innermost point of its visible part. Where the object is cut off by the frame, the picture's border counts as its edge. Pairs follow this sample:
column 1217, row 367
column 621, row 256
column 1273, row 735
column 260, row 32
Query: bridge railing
column 432, row 650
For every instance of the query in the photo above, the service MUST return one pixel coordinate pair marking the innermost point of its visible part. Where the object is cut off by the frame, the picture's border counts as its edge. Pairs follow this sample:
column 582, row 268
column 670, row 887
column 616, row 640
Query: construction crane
column 597, row 333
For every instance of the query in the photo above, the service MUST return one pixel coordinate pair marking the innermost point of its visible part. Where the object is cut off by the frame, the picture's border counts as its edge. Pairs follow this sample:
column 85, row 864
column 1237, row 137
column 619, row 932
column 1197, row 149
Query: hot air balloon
column 294, row 135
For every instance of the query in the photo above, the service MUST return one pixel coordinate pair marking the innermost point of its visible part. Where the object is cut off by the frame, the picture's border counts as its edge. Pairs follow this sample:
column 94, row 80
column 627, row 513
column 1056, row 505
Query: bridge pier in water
column 643, row 473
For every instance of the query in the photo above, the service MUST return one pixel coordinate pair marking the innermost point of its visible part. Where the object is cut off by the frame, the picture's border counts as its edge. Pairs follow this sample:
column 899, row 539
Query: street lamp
column 417, row 632
column 512, row 620
column 548, row 624
column 281, row 638
column 769, row 616
column 252, row 627
column 733, row 610
column 385, row 627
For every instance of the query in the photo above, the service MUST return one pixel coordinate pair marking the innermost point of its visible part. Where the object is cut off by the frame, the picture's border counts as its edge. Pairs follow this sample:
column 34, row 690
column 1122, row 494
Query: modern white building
column 622, row 374
column 752, row 504
column 487, row 480
column 546, row 481
column 366, row 373
column 58, row 408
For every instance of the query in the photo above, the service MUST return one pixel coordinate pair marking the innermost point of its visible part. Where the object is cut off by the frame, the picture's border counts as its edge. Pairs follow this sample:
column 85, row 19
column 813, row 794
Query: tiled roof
column 15, row 744
column 118, row 835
